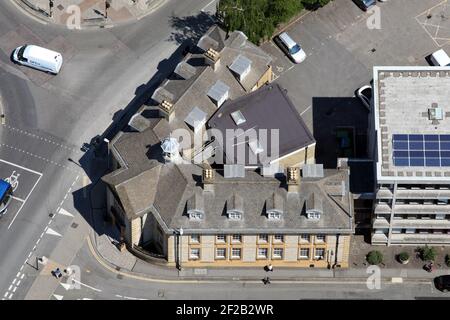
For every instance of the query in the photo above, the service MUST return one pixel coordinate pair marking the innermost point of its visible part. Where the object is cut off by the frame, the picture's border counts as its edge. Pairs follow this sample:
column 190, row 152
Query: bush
column 447, row 260
column 427, row 253
column 403, row 256
column 374, row 257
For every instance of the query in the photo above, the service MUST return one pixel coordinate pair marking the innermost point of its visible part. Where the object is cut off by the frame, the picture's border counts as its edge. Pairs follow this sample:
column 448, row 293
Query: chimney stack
column 208, row 178
column 212, row 58
column 293, row 179
column 166, row 110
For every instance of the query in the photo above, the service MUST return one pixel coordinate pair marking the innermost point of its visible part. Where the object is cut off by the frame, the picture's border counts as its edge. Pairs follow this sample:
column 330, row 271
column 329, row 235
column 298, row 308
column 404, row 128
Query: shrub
column 447, row 260
column 403, row 256
column 374, row 257
column 427, row 253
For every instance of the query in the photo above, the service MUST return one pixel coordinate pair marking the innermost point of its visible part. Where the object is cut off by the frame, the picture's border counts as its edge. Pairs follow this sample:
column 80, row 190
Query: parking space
column 23, row 182
column 23, row 35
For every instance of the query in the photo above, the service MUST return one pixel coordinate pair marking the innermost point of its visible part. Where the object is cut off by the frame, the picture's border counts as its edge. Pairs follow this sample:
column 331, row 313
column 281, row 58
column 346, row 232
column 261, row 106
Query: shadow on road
column 190, row 28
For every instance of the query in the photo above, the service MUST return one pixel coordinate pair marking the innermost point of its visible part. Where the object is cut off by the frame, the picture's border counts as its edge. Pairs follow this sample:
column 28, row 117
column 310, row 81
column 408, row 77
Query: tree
column 428, row 254
column 374, row 257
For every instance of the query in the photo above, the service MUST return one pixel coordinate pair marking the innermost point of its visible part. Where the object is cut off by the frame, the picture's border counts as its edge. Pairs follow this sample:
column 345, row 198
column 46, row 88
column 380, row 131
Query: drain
column 74, row 225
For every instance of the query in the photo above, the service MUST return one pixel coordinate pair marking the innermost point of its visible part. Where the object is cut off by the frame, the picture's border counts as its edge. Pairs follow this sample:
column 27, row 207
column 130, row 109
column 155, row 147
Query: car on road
column 440, row 58
column 442, row 283
column 365, row 4
column 365, row 95
column 292, row 49
column 5, row 196
column 39, row 58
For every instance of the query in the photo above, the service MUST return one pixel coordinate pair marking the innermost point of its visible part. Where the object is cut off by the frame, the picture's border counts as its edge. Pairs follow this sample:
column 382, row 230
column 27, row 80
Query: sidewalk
column 93, row 12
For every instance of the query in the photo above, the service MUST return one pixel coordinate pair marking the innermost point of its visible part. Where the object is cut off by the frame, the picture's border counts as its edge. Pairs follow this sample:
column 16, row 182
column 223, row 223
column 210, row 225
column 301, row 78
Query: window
column 234, row 215
column 220, row 238
column 274, row 215
column 277, row 253
column 235, row 253
column 221, row 253
column 313, row 215
column 320, row 238
column 396, row 230
column 440, row 216
column 195, row 254
column 263, row 238
column 195, row 238
column 304, row 253
column 195, row 215
column 319, row 253
column 305, row 238
column 262, row 253
column 278, row 238
column 236, row 238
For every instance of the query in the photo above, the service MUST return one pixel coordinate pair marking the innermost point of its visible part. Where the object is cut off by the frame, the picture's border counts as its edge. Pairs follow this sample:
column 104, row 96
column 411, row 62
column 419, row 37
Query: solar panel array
column 421, row 150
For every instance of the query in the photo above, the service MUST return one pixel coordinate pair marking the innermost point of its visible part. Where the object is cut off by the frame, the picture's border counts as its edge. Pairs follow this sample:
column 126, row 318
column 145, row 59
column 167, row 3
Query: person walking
column 270, row 267
column 266, row 280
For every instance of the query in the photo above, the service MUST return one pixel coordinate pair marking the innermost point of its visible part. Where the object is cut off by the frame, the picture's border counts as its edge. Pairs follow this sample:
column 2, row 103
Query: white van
column 38, row 58
column 291, row 48
column 440, row 58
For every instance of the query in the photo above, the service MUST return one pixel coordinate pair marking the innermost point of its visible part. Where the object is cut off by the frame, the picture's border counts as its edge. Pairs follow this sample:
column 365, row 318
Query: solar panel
column 418, row 150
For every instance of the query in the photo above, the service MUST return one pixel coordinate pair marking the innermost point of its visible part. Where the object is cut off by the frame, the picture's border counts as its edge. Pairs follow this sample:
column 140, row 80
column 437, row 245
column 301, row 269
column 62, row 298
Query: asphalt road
column 48, row 118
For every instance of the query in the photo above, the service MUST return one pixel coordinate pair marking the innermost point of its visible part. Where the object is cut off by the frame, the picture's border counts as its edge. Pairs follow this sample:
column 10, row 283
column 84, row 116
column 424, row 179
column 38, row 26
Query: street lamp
column 107, row 6
column 179, row 234
column 50, row 5
column 107, row 145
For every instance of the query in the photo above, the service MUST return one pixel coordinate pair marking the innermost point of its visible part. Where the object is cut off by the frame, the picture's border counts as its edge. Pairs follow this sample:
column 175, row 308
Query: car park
column 292, row 49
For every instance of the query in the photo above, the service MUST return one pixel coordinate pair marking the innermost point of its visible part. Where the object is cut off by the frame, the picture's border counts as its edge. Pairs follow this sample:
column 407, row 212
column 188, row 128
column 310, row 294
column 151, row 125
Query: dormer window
column 274, row 215
column 313, row 214
column 234, row 215
column 196, row 214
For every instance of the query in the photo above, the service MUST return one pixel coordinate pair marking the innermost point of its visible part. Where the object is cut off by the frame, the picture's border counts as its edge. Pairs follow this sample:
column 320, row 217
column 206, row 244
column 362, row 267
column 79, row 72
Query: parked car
column 442, row 283
column 38, row 58
column 5, row 196
column 365, row 4
column 365, row 95
column 290, row 47
column 440, row 58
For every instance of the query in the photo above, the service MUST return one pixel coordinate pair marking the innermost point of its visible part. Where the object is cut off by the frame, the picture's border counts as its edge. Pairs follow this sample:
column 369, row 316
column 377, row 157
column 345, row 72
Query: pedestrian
column 270, row 267
column 266, row 280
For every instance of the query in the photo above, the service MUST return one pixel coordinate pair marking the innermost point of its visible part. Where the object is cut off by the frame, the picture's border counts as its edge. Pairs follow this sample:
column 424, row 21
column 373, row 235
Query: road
column 49, row 118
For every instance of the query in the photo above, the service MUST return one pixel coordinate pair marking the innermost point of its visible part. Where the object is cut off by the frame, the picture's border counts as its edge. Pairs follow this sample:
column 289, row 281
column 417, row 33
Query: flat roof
column 404, row 98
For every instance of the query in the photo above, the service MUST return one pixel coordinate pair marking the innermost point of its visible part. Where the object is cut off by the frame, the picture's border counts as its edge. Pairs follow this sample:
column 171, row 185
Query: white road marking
column 397, row 280
column 87, row 286
column 65, row 212
column 53, row 232
column 58, row 297
column 23, row 275
column 18, row 199
column 20, row 167
column 66, row 286
column 304, row 111
column 23, row 203
column 208, row 5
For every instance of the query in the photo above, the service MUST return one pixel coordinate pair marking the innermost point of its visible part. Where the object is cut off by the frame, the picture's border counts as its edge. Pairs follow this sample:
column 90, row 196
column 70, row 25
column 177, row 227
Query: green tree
column 374, row 257
column 428, row 253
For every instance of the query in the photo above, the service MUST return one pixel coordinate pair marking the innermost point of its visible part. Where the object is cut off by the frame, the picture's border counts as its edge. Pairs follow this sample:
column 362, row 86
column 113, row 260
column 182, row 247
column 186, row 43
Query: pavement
column 81, row 14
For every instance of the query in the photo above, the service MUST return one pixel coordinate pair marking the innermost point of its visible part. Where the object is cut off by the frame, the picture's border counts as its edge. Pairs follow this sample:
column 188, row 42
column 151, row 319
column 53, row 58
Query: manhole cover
column 74, row 225
column 51, row 215
column 60, row 7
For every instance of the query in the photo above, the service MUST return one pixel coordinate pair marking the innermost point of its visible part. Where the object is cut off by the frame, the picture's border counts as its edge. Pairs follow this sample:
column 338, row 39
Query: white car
column 365, row 95
column 290, row 47
column 38, row 58
column 440, row 58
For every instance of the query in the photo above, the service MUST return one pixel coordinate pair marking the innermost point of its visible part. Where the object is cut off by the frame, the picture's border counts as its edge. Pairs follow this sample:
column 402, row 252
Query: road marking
column 65, row 212
column 202, row 10
column 66, row 286
column 20, row 167
column 23, row 203
column 18, row 199
column 131, row 298
column 53, row 232
column 397, row 280
column 58, row 297
column 309, row 107
column 87, row 286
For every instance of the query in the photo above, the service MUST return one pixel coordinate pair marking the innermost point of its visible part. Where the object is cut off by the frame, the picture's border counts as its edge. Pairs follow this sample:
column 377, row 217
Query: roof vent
column 219, row 93
column 241, row 66
column 293, row 179
column 435, row 114
column 312, row 171
column 196, row 119
column 238, row 117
